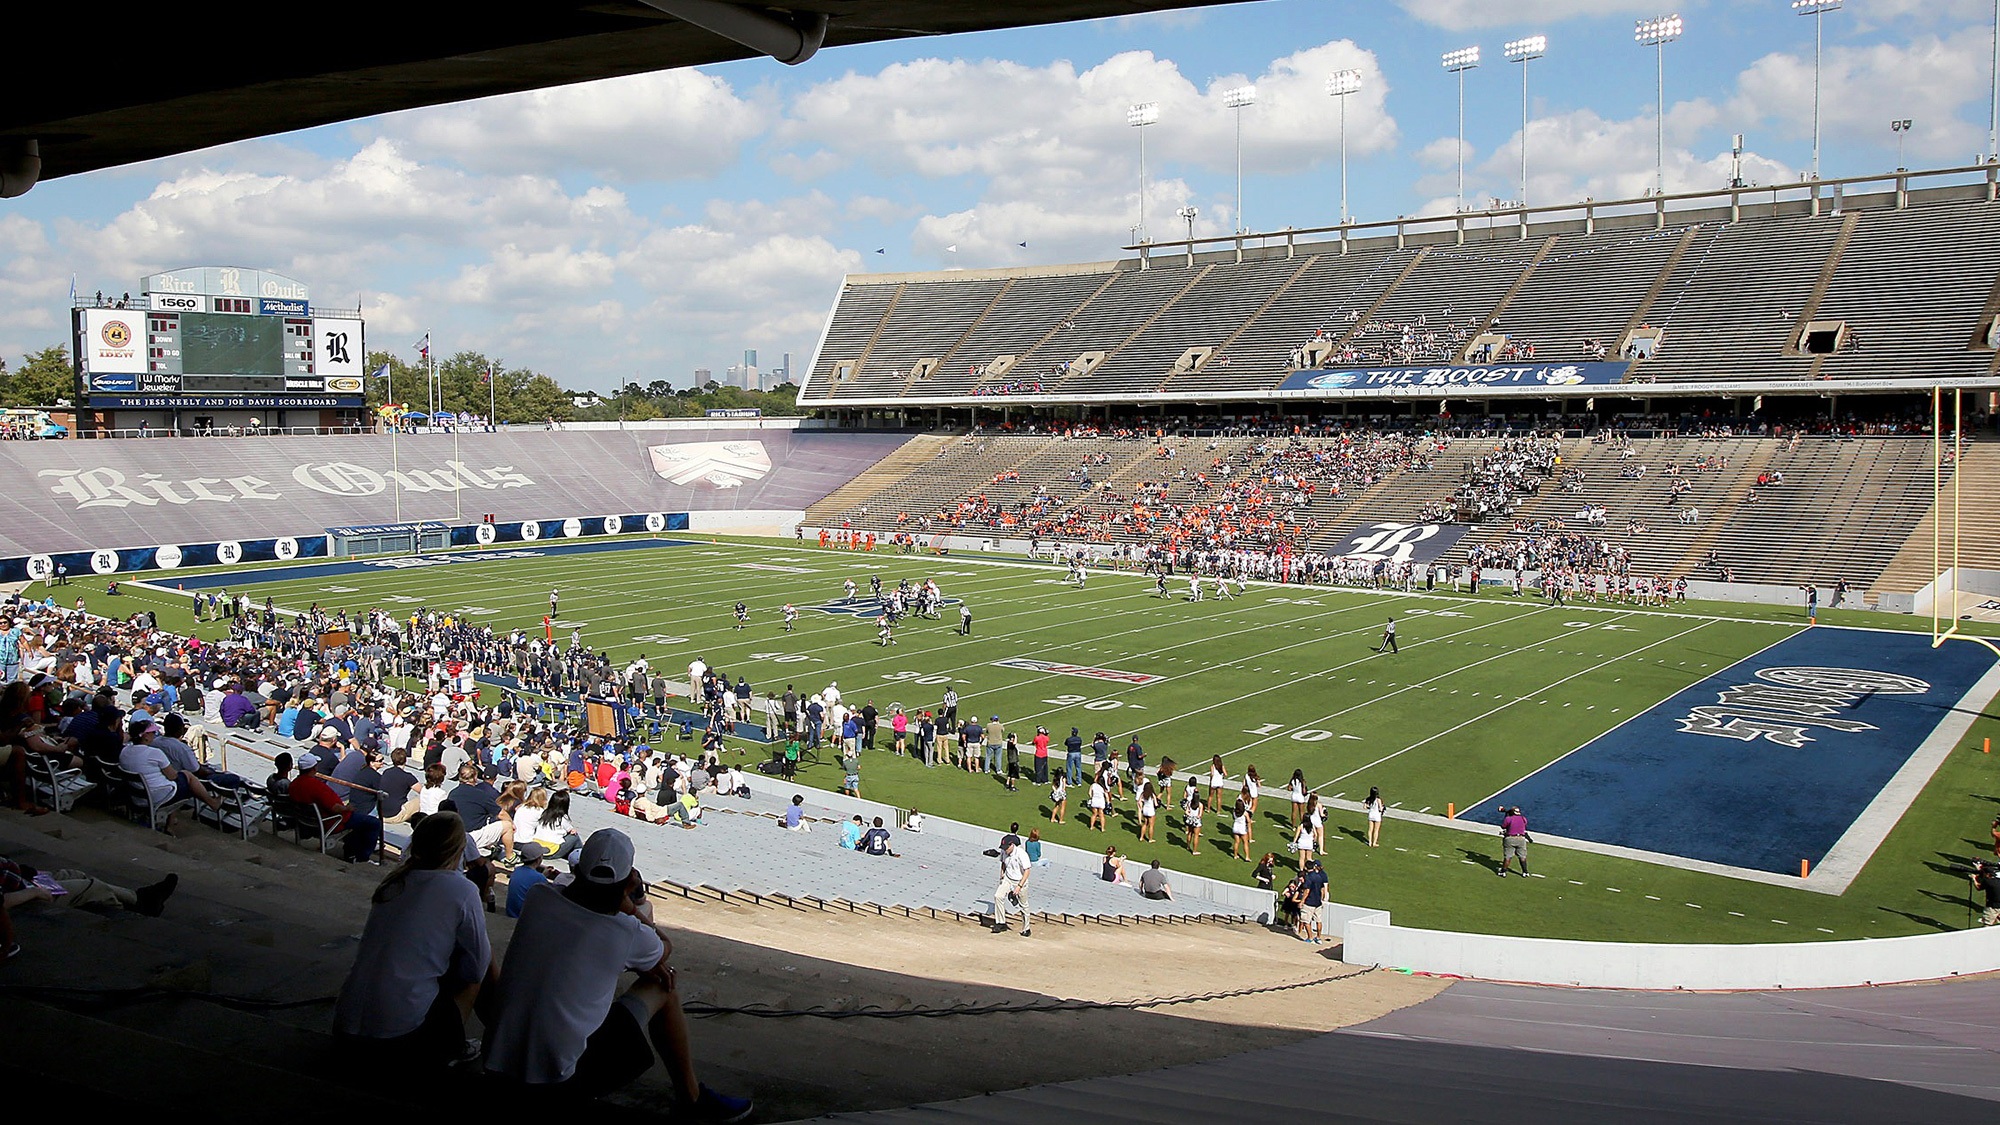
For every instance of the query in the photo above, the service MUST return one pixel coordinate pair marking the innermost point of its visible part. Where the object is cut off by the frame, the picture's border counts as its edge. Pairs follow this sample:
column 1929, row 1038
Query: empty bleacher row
column 1914, row 288
column 1844, row 509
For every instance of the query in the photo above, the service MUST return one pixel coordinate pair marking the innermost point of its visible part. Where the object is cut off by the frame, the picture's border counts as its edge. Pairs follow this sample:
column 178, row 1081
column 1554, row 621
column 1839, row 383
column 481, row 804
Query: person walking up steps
column 1013, row 889
column 1388, row 638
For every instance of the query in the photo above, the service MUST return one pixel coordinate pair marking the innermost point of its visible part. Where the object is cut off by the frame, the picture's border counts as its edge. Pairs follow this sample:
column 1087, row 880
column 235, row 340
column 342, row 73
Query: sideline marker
column 1805, row 869
column 1450, row 811
column 1986, row 746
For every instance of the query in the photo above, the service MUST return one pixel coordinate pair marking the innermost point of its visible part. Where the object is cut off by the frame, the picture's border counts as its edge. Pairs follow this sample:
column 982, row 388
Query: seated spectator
column 1114, row 867
column 478, row 804
column 399, row 789
column 876, row 841
column 164, row 783
column 1153, row 883
column 21, row 884
column 850, row 833
column 686, row 811
column 560, row 1025
column 424, row 961
column 526, row 874
column 364, row 832
column 795, row 815
column 549, row 825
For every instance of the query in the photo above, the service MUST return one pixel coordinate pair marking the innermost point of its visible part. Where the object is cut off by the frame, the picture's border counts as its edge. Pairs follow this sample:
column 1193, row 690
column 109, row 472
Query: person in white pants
column 1013, row 888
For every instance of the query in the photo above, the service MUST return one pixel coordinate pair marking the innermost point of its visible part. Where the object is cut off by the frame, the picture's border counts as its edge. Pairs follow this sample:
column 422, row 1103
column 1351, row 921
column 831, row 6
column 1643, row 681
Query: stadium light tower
column 1524, row 51
column 1188, row 214
column 1458, row 62
column 1339, row 84
column 1139, row 116
column 1239, row 99
column 1902, row 130
column 1993, row 118
column 1817, row 9
column 1657, row 33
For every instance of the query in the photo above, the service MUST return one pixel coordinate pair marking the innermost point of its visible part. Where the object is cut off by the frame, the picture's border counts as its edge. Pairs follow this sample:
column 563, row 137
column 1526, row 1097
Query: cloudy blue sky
column 642, row 227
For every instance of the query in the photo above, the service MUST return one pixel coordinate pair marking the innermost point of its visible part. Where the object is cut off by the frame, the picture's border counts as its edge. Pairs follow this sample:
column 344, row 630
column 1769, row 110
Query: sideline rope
column 104, row 999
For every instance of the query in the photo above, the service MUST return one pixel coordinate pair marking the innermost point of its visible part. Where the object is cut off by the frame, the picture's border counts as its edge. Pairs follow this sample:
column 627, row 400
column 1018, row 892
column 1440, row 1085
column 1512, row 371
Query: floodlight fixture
column 1525, row 48
column 1657, row 33
column 1901, row 128
column 1465, row 58
column 1143, row 114
column 1240, row 97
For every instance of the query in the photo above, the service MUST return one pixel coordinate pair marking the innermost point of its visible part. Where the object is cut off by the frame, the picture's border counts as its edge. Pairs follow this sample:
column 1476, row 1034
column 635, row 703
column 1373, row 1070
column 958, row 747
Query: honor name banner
column 1401, row 542
column 1457, row 378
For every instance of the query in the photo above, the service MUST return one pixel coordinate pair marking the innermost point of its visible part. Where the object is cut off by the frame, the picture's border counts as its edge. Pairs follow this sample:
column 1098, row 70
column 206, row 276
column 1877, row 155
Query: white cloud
column 1467, row 15
column 1931, row 80
column 668, row 125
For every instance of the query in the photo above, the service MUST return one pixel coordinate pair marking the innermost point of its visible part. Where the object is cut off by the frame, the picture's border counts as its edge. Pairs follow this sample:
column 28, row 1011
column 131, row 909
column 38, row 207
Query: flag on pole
column 382, row 372
column 486, row 376
column 424, row 347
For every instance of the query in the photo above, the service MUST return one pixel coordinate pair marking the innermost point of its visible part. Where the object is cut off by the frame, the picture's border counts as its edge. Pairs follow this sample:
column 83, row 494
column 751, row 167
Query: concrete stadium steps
column 1721, row 326
column 927, row 322
column 1845, row 510
column 1583, row 289
column 857, row 317
column 1892, row 255
column 883, row 475
column 1979, row 525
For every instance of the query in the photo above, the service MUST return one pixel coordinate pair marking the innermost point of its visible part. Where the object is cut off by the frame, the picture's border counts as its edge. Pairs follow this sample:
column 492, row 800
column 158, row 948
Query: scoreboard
column 214, row 337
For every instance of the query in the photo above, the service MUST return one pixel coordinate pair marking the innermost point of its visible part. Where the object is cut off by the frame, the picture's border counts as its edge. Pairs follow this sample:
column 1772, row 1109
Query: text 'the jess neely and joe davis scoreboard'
column 213, row 337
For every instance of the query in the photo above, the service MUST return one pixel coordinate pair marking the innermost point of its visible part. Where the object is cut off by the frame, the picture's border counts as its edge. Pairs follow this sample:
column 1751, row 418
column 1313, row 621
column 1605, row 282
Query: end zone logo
column 1058, row 668
column 116, row 333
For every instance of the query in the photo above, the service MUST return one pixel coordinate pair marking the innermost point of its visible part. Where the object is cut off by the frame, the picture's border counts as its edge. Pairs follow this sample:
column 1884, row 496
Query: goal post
column 1944, row 602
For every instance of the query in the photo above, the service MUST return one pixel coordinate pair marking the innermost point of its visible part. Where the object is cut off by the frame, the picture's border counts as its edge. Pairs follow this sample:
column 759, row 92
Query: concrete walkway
column 741, row 846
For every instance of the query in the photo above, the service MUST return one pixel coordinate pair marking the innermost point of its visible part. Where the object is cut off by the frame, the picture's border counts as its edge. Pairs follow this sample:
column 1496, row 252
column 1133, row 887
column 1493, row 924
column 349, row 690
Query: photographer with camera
column 562, row 1027
column 1985, row 877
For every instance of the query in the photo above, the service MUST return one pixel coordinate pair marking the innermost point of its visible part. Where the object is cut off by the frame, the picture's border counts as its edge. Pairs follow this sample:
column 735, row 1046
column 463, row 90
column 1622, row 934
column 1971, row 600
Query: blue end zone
column 235, row 578
column 1763, row 764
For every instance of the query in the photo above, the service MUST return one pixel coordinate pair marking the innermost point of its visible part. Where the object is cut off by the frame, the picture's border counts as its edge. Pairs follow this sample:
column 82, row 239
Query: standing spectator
column 1514, row 841
column 1013, row 888
column 1373, row 807
column 1041, row 755
column 1314, row 902
column 561, row 1024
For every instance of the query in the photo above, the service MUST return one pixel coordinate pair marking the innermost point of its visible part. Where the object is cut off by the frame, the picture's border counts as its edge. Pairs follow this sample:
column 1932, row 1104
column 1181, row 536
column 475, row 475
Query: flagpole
column 395, row 460
column 492, row 421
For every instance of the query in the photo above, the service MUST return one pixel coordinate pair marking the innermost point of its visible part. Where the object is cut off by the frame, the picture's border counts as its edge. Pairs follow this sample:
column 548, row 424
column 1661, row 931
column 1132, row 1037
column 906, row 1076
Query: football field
column 1677, row 764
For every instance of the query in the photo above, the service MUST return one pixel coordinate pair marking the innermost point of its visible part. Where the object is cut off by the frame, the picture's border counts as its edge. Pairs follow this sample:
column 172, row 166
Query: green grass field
column 1485, row 690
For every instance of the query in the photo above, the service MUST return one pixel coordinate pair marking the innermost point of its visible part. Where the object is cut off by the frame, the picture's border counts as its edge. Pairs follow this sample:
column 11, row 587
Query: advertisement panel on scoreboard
column 113, row 341
column 338, row 349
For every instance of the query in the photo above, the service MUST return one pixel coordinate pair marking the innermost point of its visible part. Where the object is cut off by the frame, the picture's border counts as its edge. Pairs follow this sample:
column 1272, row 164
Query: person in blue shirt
column 850, row 833
column 525, row 876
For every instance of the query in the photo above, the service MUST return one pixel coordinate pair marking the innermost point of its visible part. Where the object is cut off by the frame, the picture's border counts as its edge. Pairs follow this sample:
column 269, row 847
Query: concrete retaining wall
column 1594, row 964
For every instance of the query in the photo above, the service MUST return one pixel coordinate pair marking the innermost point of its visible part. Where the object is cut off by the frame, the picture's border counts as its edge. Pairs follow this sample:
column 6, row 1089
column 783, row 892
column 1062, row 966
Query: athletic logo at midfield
column 718, row 464
column 1782, row 704
column 870, row 608
column 1058, row 668
column 1401, row 542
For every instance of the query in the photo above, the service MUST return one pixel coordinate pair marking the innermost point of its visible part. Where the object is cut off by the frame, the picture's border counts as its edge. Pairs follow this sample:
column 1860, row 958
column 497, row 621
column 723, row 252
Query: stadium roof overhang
column 97, row 88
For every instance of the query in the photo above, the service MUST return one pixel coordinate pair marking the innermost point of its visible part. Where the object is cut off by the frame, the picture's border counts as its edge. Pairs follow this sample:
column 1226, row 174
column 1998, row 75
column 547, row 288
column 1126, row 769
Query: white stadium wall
column 68, row 496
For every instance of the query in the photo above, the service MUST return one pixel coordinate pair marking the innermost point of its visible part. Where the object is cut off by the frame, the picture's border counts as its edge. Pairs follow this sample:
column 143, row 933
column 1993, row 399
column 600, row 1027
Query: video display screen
column 222, row 344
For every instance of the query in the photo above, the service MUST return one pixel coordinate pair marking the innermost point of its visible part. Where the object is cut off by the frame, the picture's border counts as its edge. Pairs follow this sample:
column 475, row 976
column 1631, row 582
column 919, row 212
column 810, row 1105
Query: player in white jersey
column 1194, row 587
column 850, row 590
column 885, row 634
column 791, row 616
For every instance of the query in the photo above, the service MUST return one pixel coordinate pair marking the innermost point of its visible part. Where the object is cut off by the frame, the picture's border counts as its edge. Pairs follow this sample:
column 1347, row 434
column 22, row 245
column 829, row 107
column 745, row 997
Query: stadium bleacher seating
column 1912, row 286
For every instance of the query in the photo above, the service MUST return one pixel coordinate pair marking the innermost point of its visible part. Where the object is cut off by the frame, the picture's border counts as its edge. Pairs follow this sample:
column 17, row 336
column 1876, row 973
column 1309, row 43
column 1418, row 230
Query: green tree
column 44, row 378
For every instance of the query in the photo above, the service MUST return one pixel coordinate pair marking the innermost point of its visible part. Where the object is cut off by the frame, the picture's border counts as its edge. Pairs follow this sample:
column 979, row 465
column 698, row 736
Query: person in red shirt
column 364, row 833
column 1041, row 755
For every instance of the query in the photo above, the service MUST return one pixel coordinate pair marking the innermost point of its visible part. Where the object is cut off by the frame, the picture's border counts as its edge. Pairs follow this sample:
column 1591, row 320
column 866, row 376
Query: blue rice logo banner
column 1457, row 378
column 1401, row 542
column 870, row 608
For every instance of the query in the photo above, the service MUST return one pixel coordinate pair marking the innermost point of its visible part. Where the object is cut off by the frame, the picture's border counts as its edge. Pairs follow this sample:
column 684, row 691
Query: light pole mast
column 1458, row 62
column 1657, row 33
column 1239, row 99
column 1523, row 51
column 1817, row 9
column 1339, row 84
column 1139, row 116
